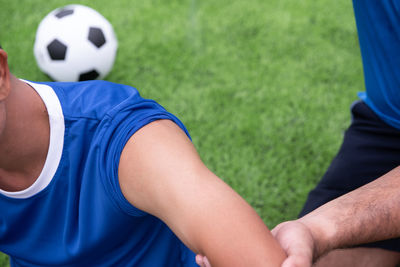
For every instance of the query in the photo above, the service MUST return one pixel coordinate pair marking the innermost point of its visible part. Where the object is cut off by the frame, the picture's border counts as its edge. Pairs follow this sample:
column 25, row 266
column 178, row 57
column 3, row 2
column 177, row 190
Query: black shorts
column 370, row 149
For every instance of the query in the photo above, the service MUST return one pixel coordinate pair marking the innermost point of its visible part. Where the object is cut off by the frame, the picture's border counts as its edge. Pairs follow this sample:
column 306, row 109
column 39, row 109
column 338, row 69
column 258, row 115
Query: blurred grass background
column 264, row 87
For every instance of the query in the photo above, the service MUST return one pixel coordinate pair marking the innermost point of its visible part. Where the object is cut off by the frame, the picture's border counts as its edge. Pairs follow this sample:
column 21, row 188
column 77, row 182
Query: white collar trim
column 57, row 129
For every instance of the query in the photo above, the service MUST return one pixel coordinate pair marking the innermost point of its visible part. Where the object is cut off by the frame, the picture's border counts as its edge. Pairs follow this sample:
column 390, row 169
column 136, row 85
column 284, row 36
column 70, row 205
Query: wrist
column 323, row 233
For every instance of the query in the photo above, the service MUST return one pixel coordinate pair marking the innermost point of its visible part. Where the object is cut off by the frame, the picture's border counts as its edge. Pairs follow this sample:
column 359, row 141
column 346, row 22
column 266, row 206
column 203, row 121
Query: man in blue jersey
column 91, row 174
column 368, row 160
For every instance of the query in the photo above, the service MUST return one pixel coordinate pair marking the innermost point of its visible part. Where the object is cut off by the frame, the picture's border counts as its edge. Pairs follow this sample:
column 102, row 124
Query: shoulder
column 92, row 99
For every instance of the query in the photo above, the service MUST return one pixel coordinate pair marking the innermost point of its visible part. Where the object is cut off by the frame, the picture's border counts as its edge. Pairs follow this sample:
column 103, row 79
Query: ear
column 5, row 84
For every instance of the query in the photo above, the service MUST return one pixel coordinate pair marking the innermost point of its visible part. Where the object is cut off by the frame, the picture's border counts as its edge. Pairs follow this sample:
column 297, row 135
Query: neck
column 25, row 139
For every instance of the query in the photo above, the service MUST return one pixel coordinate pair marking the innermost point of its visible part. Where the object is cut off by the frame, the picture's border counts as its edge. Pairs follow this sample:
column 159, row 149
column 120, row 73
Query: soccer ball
column 75, row 43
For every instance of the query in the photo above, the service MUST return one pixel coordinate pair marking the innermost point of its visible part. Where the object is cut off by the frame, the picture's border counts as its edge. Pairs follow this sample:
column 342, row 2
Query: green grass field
column 264, row 87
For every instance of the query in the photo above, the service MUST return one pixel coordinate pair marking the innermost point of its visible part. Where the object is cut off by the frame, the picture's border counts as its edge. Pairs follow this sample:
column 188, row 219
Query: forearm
column 216, row 222
column 236, row 236
column 367, row 214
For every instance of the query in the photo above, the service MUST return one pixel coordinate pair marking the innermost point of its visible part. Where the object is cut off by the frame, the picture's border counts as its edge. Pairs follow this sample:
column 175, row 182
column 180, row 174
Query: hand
column 202, row 261
column 296, row 240
column 298, row 243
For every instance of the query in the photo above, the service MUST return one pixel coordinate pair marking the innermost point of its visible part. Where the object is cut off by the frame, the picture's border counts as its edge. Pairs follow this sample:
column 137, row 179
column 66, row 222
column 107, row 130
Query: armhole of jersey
column 126, row 130
column 57, row 129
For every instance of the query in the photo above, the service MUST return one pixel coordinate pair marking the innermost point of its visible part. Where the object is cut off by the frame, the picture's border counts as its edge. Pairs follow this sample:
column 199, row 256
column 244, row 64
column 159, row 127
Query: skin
column 360, row 256
column 23, row 118
column 160, row 172
column 367, row 214
column 170, row 181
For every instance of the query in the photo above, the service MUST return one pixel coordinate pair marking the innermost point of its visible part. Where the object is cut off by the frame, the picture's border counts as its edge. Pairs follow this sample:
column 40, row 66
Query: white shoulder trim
column 57, row 129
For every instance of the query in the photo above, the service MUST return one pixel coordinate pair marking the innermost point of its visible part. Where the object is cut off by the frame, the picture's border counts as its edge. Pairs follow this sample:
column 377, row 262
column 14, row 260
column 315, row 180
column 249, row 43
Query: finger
column 296, row 261
column 199, row 260
column 206, row 262
column 277, row 228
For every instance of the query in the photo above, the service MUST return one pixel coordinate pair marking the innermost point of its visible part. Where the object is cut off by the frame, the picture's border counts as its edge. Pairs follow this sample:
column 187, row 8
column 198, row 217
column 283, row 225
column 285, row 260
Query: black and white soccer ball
column 75, row 43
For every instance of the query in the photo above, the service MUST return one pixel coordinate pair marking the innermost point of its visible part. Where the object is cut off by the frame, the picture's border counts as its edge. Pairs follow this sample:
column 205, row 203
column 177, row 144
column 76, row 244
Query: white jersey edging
column 57, row 129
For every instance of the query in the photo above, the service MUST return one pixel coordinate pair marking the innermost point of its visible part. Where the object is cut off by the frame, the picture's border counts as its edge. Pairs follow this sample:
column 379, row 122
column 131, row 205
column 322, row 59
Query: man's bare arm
column 161, row 173
column 367, row 214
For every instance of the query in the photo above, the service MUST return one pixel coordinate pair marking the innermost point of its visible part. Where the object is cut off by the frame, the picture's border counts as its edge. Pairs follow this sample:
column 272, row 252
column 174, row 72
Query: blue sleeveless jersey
column 75, row 213
column 378, row 24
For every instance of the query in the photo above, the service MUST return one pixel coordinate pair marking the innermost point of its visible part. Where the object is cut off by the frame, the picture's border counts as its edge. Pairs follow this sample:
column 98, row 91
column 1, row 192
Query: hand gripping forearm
column 367, row 214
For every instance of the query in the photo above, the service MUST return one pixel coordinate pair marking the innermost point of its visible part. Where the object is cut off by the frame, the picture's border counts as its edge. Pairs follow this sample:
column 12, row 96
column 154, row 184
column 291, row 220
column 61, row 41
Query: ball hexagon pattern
column 75, row 43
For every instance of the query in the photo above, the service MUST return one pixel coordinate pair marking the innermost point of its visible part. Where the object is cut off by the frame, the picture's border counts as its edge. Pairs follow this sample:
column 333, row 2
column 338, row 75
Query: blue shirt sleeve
column 115, row 130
